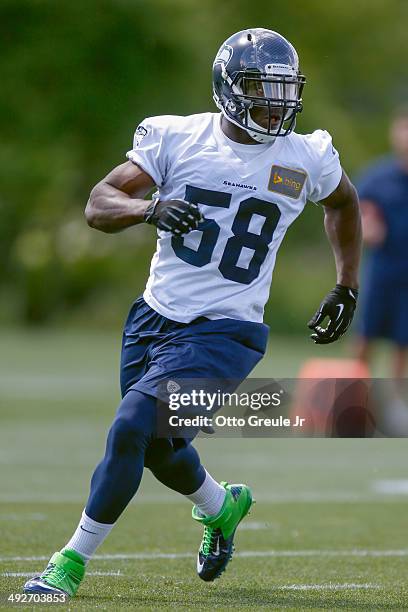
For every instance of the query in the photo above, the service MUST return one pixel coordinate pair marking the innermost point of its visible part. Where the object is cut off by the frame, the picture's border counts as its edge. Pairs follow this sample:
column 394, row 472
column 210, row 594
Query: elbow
column 89, row 216
column 90, row 211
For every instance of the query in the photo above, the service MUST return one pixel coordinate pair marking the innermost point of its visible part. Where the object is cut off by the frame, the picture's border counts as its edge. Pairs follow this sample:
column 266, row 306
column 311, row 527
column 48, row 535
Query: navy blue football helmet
column 257, row 84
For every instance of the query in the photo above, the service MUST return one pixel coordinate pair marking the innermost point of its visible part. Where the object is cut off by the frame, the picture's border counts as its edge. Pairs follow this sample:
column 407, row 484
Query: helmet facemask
column 265, row 104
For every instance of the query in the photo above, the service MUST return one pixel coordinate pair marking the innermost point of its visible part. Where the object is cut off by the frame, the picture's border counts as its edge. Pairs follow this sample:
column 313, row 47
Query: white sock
column 209, row 498
column 88, row 536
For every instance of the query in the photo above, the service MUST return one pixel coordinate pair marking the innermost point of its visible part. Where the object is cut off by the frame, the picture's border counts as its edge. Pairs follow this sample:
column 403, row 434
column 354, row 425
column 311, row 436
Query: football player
column 229, row 184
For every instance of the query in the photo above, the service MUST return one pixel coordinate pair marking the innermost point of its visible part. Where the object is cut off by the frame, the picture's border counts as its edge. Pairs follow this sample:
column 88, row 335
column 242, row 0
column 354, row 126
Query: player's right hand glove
column 339, row 306
column 175, row 216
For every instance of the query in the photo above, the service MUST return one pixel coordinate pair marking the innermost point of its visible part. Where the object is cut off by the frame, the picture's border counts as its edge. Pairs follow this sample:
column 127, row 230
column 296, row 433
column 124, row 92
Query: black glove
column 339, row 305
column 175, row 216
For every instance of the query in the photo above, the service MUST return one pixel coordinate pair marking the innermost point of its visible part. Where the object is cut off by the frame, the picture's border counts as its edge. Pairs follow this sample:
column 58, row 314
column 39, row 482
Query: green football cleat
column 217, row 544
column 63, row 575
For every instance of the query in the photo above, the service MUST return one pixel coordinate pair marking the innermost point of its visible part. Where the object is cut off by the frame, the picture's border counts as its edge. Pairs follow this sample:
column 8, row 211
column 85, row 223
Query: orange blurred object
column 332, row 395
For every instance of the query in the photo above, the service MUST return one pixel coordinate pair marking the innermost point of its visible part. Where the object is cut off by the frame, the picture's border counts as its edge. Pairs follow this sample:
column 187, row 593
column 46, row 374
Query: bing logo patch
column 286, row 181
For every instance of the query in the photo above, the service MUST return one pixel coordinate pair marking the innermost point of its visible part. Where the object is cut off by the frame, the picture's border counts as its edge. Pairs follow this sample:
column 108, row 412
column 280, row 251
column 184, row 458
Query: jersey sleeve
column 328, row 170
column 148, row 150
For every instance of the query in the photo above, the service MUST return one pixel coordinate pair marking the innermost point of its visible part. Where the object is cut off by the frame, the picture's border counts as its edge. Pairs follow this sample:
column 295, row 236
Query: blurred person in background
column 383, row 192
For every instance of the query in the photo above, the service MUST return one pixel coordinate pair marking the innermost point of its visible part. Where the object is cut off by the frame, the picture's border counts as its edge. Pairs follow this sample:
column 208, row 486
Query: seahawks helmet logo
column 224, row 55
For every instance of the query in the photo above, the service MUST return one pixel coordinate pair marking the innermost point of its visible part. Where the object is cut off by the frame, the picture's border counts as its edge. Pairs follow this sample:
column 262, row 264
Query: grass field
column 329, row 530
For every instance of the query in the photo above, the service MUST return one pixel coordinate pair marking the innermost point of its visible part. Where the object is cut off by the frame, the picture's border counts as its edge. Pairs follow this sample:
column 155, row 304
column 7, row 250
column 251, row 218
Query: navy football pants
column 155, row 349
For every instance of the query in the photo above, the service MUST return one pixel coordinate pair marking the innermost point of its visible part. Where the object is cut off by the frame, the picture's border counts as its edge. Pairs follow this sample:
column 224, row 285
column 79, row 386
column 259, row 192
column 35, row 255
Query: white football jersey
column 248, row 195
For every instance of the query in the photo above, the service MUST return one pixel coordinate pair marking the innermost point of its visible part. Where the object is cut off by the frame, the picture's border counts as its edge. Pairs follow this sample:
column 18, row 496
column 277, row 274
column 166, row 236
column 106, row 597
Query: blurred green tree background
column 78, row 76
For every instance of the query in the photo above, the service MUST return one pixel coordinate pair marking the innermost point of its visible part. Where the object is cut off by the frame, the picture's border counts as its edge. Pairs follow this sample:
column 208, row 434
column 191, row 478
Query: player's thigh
column 139, row 332
column 209, row 357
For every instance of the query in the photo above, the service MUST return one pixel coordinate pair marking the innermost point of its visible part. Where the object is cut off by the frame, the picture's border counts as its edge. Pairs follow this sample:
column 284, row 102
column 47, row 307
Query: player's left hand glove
column 175, row 216
column 339, row 305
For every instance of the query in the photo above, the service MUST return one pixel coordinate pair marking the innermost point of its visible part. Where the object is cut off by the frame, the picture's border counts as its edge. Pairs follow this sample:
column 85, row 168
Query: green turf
column 323, row 534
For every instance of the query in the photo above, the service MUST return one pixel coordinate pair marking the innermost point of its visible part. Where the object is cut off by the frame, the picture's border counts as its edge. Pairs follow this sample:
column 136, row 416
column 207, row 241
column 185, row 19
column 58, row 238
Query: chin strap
column 261, row 138
column 255, row 135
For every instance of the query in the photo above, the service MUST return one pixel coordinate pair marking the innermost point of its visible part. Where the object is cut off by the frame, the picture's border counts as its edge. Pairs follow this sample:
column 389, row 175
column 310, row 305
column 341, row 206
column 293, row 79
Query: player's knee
column 159, row 454
column 127, row 436
column 162, row 457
